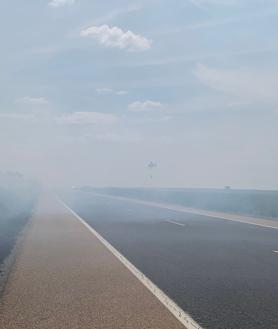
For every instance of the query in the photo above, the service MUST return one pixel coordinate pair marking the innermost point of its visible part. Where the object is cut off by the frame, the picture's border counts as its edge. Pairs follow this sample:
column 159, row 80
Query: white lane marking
column 276, row 251
column 183, row 317
column 229, row 217
column 173, row 222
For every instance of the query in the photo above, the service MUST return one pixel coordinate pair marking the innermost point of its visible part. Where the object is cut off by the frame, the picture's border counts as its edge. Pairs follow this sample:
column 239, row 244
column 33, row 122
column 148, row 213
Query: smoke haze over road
column 92, row 92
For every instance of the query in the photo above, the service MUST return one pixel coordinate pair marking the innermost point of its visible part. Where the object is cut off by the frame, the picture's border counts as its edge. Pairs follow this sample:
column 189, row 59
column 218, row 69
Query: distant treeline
column 249, row 202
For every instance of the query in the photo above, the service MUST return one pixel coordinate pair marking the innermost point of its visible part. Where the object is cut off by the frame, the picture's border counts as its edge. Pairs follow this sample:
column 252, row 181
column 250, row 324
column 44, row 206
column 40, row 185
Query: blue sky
column 92, row 91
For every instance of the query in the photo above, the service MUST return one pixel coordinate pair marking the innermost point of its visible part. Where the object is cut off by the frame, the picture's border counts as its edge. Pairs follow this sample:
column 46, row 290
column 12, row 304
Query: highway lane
column 223, row 273
column 258, row 221
column 65, row 277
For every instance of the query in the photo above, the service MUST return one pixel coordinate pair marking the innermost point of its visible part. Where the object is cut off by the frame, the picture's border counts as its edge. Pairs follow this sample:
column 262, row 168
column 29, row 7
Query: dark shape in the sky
column 151, row 166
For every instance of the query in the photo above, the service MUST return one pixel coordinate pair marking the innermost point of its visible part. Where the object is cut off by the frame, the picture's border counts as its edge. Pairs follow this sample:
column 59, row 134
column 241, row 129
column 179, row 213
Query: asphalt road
column 223, row 273
column 65, row 278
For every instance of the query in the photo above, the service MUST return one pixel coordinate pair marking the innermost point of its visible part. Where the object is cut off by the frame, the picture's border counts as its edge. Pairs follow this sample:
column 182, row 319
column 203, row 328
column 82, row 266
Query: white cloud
column 213, row 23
column 88, row 118
column 203, row 4
column 52, row 117
column 27, row 100
column 18, row 116
column 248, row 86
column 164, row 118
column 231, row 19
column 216, row 2
column 114, row 37
column 121, row 92
column 60, row 3
column 145, row 106
column 104, row 91
column 109, row 91
column 118, row 13
column 110, row 137
column 30, row 113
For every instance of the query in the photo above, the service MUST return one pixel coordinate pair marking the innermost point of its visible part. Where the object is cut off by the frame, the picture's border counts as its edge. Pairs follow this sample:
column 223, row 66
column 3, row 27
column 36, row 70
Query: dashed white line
column 173, row 222
column 276, row 251
column 182, row 316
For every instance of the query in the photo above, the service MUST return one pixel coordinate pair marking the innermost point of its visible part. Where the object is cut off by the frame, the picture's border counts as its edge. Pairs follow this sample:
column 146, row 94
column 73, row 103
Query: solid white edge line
column 180, row 208
column 182, row 316
column 173, row 222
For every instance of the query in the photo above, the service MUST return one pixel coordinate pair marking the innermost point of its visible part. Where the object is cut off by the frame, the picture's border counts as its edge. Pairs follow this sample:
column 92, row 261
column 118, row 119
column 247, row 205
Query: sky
column 93, row 91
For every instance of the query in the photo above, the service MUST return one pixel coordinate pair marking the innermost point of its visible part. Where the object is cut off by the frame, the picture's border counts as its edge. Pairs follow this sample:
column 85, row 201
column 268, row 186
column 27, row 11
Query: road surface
column 223, row 272
column 65, row 278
